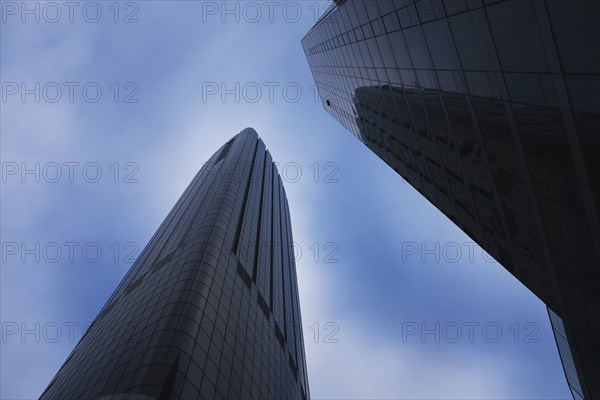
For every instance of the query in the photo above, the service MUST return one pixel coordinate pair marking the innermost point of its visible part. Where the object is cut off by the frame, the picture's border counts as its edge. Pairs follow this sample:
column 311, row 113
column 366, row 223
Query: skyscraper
column 491, row 110
column 210, row 308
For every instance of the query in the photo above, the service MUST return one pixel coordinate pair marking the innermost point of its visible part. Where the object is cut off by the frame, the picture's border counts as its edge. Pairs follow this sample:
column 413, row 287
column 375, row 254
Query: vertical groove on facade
column 284, row 245
column 273, row 243
column 259, row 224
column 238, row 229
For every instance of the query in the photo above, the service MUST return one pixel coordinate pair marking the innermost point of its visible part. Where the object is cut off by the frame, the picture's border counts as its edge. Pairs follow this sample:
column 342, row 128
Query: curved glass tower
column 210, row 308
column 490, row 109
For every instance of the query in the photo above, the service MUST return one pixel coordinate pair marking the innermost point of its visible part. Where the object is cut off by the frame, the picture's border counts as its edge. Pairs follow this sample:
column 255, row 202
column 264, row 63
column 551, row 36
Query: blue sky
column 404, row 272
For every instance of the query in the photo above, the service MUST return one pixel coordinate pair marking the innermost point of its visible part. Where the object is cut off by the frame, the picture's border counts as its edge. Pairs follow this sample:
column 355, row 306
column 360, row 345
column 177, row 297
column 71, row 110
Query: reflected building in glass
column 491, row 110
column 210, row 308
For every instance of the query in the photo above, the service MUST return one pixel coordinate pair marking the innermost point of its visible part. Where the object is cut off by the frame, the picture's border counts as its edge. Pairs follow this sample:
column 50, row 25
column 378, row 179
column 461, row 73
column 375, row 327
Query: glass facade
column 491, row 110
column 210, row 309
column 558, row 328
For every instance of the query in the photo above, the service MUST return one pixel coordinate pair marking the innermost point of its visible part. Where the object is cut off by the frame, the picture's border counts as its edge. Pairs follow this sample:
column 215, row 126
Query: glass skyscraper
column 210, row 308
column 491, row 110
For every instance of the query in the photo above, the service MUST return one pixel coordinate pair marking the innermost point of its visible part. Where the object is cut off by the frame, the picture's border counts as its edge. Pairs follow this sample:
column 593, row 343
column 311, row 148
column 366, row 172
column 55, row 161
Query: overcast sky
column 117, row 106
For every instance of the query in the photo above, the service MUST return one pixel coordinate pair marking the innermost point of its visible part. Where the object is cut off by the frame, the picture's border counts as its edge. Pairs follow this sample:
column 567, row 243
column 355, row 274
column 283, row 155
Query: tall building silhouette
column 491, row 110
column 210, row 308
